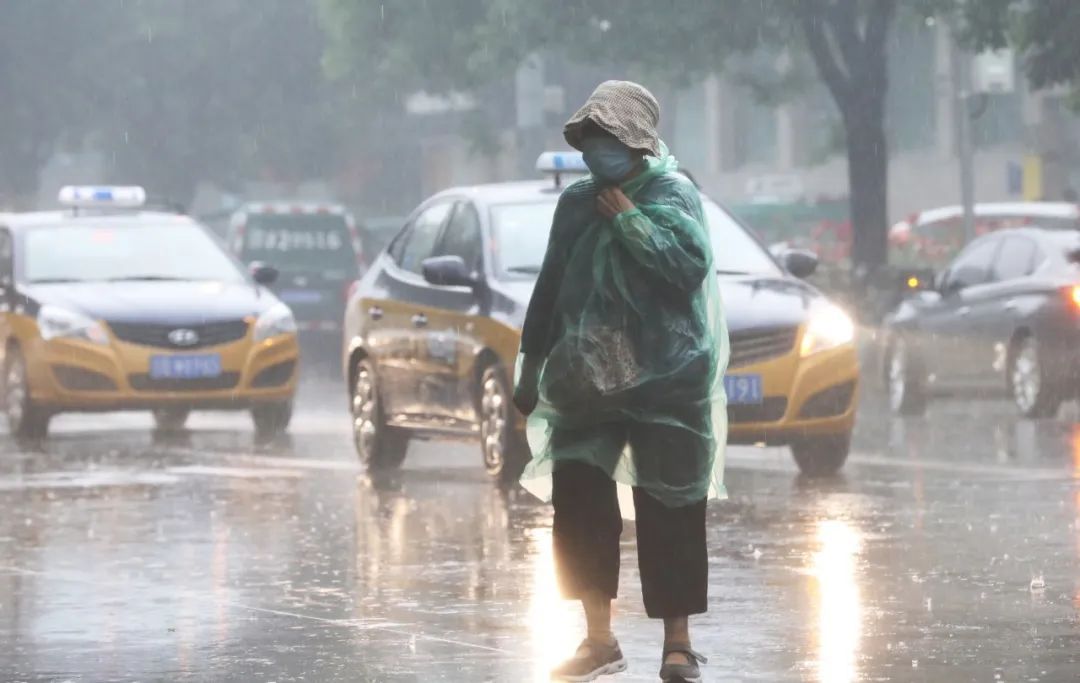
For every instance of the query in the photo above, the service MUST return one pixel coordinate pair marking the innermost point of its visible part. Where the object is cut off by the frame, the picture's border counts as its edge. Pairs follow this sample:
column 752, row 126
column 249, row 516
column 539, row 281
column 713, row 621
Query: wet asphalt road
column 202, row 557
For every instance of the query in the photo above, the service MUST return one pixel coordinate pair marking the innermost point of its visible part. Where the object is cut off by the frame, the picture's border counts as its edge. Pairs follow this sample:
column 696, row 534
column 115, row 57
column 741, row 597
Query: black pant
column 672, row 557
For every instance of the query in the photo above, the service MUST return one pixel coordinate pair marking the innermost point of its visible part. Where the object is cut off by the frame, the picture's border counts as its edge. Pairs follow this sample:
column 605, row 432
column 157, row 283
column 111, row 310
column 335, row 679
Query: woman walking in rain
column 624, row 348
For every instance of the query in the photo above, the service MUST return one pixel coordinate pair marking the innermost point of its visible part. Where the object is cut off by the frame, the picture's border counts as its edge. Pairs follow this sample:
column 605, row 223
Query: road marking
column 776, row 460
column 84, row 480
column 355, row 624
column 238, row 472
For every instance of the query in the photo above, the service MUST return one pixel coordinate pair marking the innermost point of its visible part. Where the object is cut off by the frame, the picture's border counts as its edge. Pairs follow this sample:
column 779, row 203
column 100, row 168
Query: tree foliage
column 459, row 43
column 1045, row 33
column 171, row 91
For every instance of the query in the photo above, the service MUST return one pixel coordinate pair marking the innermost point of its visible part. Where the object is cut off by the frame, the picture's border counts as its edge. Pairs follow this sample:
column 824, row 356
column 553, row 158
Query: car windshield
column 146, row 251
column 300, row 243
column 521, row 235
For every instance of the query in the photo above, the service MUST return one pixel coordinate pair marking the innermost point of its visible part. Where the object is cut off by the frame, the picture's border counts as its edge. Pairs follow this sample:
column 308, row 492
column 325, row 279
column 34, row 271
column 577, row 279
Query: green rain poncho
column 627, row 318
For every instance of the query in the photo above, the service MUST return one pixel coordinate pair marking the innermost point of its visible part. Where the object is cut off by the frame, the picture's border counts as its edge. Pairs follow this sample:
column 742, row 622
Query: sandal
column 682, row 673
column 591, row 661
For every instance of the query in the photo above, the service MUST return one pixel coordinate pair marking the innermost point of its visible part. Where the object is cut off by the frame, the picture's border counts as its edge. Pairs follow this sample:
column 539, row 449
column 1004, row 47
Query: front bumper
column 814, row 396
column 75, row 375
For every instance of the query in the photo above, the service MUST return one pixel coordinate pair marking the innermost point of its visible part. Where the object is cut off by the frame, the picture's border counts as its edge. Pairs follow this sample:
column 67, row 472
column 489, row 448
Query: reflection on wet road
column 948, row 551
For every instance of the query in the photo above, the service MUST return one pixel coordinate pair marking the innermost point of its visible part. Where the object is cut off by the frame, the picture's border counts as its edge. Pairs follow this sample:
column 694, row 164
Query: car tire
column 821, row 456
column 503, row 448
column 1034, row 391
column 171, row 419
column 271, row 420
column 905, row 380
column 378, row 445
column 26, row 420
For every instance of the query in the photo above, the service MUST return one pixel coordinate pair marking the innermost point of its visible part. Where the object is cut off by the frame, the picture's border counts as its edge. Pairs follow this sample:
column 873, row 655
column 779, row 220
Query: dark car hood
column 164, row 302
column 750, row 301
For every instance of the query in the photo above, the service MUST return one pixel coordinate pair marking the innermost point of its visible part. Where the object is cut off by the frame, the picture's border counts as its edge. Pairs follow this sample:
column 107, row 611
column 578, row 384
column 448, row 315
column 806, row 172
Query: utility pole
column 960, row 65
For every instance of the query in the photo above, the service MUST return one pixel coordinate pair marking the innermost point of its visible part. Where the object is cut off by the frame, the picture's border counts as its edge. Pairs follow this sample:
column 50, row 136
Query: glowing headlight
column 828, row 328
column 55, row 322
column 276, row 320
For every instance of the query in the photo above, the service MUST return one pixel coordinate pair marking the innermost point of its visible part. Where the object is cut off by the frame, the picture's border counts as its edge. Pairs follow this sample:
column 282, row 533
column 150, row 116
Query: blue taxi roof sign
column 561, row 162
column 102, row 196
column 557, row 163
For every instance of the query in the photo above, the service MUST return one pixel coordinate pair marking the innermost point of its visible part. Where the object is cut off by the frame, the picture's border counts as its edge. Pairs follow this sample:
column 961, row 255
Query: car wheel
column 907, row 394
column 171, row 419
column 504, row 449
column 271, row 420
column 821, row 456
column 26, row 420
column 379, row 446
column 1033, row 391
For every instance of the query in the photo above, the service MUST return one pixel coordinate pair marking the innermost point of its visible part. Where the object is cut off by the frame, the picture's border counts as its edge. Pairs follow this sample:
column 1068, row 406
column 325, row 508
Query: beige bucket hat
column 623, row 108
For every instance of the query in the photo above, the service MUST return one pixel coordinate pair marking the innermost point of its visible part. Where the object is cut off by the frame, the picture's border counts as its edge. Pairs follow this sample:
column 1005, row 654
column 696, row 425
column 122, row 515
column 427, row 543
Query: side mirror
column 800, row 262
column 960, row 279
column 448, row 271
column 263, row 273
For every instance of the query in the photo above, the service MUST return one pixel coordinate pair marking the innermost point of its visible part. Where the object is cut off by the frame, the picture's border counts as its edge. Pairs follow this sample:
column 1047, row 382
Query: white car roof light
column 558, row 163
column 102, row 196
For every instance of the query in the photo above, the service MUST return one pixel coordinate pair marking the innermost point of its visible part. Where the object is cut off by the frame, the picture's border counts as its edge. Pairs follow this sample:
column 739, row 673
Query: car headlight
column 274, row 321
column 828, row 328
column 55, row 322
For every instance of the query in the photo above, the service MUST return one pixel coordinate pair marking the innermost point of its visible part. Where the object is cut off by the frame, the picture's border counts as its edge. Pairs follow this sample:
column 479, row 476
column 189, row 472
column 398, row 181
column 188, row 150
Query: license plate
column 743, row 389
column 185, row 366
column 300, row 296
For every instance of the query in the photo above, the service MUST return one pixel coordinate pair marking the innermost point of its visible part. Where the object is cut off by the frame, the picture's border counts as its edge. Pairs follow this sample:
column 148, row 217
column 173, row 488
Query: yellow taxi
column 432, row 332
column 108, row 306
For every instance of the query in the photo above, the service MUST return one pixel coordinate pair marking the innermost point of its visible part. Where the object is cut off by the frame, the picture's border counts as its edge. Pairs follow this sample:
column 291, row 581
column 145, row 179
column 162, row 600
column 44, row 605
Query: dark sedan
column 1002, row 320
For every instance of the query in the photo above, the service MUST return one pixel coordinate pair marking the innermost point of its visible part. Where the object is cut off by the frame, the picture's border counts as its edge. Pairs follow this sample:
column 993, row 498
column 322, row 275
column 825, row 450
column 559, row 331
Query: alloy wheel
column 898, row 376
column 493, row 418
column 1026, row 376
column 364, row 411
column 15, row 395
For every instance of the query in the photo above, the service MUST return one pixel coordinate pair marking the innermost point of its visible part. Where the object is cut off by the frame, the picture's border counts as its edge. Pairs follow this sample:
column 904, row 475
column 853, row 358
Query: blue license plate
column 192, row 366
column 743, row 389
column 300, row 296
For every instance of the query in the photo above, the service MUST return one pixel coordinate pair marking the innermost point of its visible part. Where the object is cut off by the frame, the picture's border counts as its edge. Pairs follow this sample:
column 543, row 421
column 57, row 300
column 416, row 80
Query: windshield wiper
column 732, row 272
column 55, row 281
column 528, row 270
column 145, row 278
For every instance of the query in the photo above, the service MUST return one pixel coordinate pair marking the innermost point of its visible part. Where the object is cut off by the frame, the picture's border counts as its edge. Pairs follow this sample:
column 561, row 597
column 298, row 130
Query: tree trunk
column 868, row 169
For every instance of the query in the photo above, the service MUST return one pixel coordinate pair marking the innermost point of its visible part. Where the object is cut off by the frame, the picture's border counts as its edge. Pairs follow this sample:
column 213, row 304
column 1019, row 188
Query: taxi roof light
column 102, row 196
column 558, row 163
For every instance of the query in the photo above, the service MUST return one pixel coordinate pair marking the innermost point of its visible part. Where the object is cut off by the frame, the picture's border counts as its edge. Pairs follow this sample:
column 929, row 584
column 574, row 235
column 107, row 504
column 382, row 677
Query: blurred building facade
column 742, row 150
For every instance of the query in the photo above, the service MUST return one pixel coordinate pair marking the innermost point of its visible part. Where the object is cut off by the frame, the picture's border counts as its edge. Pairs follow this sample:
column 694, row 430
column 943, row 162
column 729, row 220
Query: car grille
column 143, row 382
column 209, row 334
column 753, row 346
column 772, row 409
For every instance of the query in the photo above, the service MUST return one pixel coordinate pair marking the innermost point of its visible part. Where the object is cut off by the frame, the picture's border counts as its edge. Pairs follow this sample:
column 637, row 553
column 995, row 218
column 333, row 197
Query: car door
column 1014, row 296
column 453, row 341
column 402, row 355
column 949, row 334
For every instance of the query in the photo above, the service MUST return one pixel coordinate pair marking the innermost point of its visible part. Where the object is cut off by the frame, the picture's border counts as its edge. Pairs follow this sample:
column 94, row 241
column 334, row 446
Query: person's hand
column 526, row 393
column 526, row 396
column 611, row 202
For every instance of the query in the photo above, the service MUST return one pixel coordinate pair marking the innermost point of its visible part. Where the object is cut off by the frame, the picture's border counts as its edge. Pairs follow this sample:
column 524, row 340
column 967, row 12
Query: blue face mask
column 607, row 158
